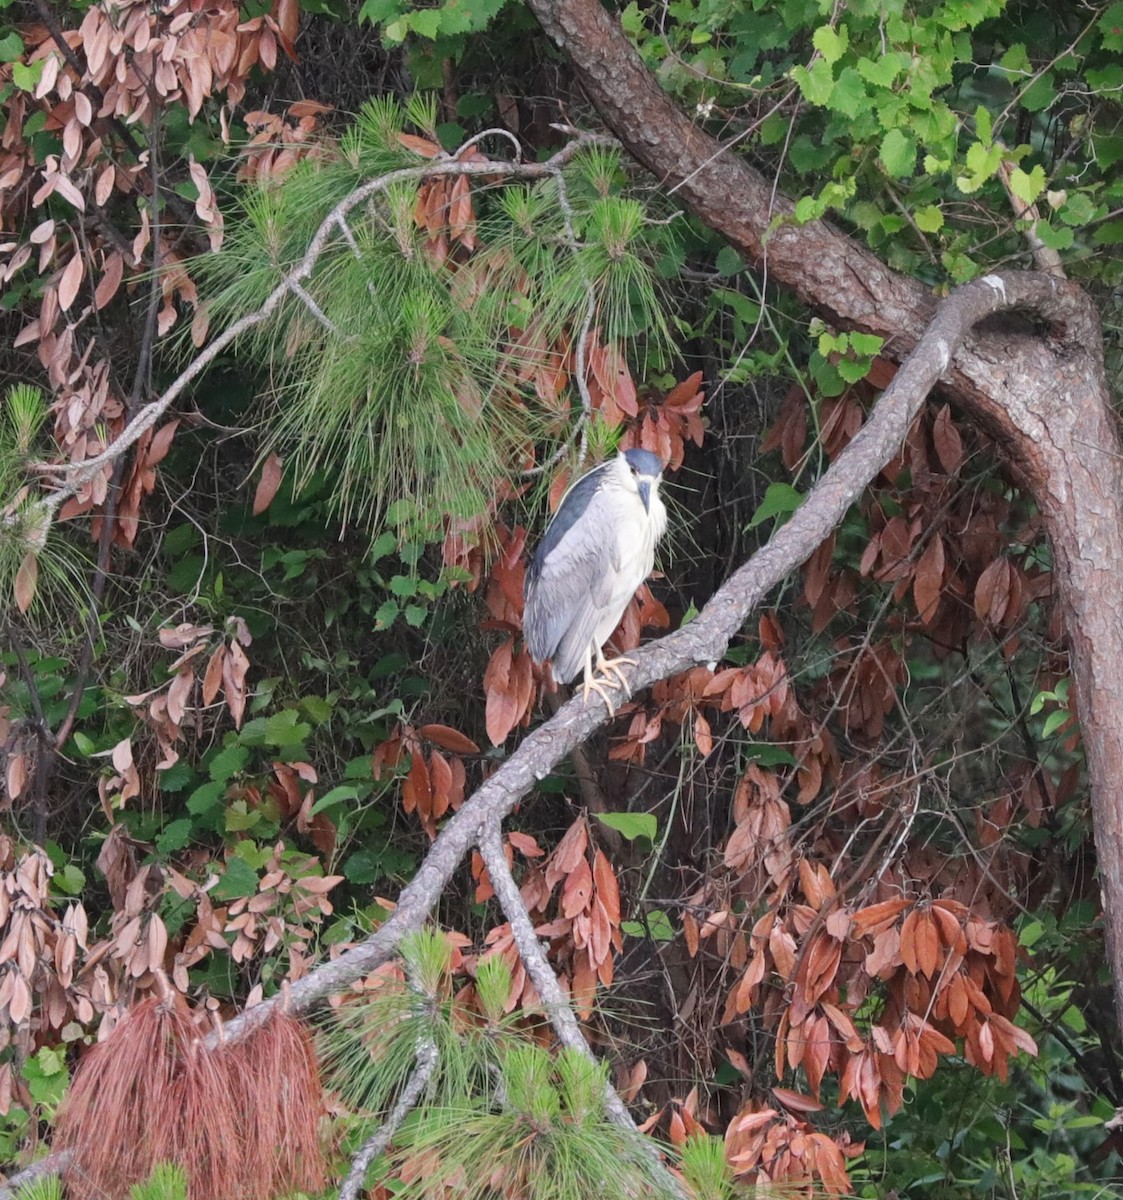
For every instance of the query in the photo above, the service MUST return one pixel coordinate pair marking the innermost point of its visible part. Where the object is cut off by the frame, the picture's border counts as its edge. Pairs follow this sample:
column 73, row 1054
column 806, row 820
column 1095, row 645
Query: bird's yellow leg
column 593, row 684
column 612, row 669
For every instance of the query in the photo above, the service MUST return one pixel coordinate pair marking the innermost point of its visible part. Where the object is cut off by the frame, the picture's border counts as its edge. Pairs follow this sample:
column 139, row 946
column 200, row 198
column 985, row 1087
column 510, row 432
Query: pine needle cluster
column 401, row 380
column 505, row 1113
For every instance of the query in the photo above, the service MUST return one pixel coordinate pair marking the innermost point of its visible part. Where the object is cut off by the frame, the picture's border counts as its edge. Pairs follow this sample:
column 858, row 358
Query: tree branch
column 81, row 473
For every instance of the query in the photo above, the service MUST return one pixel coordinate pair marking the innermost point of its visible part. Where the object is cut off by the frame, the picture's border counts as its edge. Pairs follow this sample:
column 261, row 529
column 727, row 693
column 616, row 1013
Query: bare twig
column 78, row 474
column 376, row 1144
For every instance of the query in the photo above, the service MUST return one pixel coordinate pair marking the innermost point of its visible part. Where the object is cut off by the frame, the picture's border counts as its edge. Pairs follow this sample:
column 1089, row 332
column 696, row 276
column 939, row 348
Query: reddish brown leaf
column 928, row 581
column 608, row 891
column 796, row 1101
column 271, row 475
column 449, row 739
column 27, row 578
column 577, row 889
column 110, row 279
column 418, row 145
column 70, row 282
column 501, row 712
column 212, row 680
column 946, row 439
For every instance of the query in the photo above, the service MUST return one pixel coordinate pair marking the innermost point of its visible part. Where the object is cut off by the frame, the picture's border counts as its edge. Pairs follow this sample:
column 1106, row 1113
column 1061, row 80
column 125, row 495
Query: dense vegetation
column 312, row 315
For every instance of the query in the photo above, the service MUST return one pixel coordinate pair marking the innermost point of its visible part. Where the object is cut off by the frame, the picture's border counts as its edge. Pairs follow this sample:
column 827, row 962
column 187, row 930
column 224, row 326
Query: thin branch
column 376, row 1144
column 81, row 473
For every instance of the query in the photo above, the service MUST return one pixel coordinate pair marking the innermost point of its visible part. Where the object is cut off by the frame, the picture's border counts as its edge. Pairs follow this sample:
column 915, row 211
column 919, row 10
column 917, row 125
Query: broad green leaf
column 780, row 500
column 831, row 43
column 866, row 343
column 337, row 795
column 880, row 71
column 228, row 762
column 1110, row 26
column 1027, row 187
column 898, row 153
column 848, row 96
column 815, row 84
column 631, row 825
column 929, row 219
column 239, row 879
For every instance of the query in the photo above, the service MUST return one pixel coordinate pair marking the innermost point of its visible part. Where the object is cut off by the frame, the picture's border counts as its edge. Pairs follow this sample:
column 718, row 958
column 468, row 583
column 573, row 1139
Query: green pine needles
column 34, row 566
column 502, row 1115
column 406, row 371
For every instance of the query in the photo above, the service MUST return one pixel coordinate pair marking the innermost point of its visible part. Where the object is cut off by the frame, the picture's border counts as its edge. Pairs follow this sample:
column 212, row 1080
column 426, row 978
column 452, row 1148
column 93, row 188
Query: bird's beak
column 645, row 493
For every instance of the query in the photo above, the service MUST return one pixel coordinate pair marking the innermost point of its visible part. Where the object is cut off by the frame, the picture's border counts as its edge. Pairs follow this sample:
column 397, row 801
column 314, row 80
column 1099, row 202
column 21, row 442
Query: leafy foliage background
column 256, row 666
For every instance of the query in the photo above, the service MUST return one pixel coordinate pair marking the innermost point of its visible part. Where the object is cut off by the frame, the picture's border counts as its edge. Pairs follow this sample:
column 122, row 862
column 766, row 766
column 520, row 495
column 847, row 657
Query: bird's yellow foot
column 614, row 667
column 593, row 684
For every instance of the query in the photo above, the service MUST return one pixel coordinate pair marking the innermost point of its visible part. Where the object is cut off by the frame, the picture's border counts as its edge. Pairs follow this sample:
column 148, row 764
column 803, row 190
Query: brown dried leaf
column 270, row 481
column 946, row 439
column 449, row 739
column 928, row 580
column 27, row 578
column 70, row 282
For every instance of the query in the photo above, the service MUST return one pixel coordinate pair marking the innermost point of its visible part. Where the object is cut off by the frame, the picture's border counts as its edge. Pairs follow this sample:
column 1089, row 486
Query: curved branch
column 77, row 475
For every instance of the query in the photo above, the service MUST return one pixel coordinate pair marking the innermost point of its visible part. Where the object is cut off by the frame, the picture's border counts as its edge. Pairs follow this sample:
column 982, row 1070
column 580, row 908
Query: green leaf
column 729, row 262
column 337, row 795
column 209, row 796
column 1054, row 721
column 403, row 585
column 1079, row 209
column 809, row 208
column 929, row 219
column 657, row 926
column 830, row 43
column 898, row 153
column 425, row 22
column 1054, row 238
column 26, row 78
column 631, row 825
column 770, row 756
column 815, row 84
column 853, row 369
column 416, row 615
column 880, row 71
column 377, row 12
column 1027, row 187
column 228, row 762
column 386, row 614
column 1016, row 61
column 239, row 879
column 780, row 500
column 11, row 47
column 1040, row 93
column 848, row 96
column 1110, row 26
column 866, row 343
column 175, row 836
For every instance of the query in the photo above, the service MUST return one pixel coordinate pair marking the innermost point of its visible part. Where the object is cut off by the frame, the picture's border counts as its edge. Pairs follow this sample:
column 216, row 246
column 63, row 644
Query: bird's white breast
column 634, row 532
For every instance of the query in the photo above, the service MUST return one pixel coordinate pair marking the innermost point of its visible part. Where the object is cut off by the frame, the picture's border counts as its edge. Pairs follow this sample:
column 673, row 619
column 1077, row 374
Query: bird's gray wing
column 569, row 583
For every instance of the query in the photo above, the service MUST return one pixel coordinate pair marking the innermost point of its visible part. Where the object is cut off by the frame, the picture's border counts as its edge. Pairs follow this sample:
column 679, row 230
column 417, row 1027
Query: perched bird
column 598, row 549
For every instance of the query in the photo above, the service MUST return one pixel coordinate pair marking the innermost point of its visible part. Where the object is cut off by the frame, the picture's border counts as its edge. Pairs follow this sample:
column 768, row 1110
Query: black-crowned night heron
column 598, row 549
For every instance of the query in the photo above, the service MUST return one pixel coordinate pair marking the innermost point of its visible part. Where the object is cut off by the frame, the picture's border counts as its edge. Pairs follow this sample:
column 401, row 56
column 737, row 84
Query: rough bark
column 1045, row 403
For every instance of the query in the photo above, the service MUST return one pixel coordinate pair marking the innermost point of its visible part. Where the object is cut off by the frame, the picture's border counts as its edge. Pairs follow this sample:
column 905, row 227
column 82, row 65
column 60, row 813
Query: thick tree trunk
column 1045, row 401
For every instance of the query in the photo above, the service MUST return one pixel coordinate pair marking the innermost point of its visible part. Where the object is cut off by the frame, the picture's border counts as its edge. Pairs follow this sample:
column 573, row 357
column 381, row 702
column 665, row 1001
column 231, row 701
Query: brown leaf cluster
column 46, row 975
column 435, row 781
column 577, row 881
